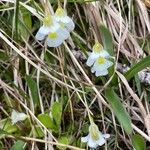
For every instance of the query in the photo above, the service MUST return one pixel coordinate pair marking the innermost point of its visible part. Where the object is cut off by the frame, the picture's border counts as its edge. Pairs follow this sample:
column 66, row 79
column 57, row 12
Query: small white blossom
column 48, row 26
column 56, row 32
column 95, row 138
column 98, row 51
column 100, row 66
column 16, row 116
column 61, row 17
column 54, row 39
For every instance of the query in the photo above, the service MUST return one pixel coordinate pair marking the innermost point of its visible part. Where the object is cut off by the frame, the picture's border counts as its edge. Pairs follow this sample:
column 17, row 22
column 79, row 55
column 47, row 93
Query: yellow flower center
column 60, row 12
column 94, row 132
column 97, row 47
column 101, row 60
column 48, row 21
column 52, row 35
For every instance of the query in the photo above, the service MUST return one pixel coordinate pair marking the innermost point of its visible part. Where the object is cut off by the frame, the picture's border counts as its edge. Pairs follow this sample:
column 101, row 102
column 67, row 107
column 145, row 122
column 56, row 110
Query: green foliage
column 46, row 120
column 19, row 145
column 25, row 23
column 33, row 88
column 52, row 120
column 56, row 111
column 145, row 62
column 38, row 132
column 138, row 142
column 63, row 140
column 107, row 39
column 7, row 126
column 119, row 110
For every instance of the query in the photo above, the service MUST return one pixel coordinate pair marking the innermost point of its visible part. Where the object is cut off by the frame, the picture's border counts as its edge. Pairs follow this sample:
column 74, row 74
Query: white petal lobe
column 16, row 116
column 85, row 139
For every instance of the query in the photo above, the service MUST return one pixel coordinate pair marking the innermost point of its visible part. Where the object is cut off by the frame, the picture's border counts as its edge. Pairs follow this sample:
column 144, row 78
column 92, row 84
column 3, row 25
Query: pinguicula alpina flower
column 46, row 28
column 55, row 32
column 98, row 51
column 101, row 66
column 95, row 138
column 55, row 39
column 16, row 116
column 65, row 21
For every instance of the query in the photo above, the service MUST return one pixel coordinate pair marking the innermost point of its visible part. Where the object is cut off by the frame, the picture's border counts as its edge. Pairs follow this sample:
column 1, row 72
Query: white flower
column 48, row 26
column 61, row 17
column 16, row 116
column 95, row 138
column 100, row 66
column 54, row 39
column 56, row 33
column 98, row 51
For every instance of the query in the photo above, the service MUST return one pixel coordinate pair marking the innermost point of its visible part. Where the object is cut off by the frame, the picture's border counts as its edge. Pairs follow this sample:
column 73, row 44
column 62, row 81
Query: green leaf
column 33, row 88
column 63, row 140
column 46, row 120
column 119, row 110
column 25, row 23
column 56, row 113
column 145, row 62
column 7, row 126
column 19, row 145
column 138, row 142
column 107, row 39
column 38, row 132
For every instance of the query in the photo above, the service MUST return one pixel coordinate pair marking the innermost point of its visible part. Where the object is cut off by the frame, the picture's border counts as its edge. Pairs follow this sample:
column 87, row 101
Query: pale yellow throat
column 52, row 35
column 101, row 60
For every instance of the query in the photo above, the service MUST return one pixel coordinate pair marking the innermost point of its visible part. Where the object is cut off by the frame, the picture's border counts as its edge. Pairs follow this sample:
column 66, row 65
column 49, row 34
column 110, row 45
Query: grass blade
column 33, row 88
column 107, row 39
column 145, row 62
column 138, row 142
column 119, row 110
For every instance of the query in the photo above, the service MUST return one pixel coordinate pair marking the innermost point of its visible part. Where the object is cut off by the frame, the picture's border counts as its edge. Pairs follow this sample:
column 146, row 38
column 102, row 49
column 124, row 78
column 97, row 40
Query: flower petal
column 92, row 143
column 85, row 139
column 64, row 33
column 104, row 54
column 70, row 25
column 68, row 22
column 54, row 42
column 39, row 36
column 16, row 116
column 106, row 136
column 101, row 141
column 101, row 72
column 44, row 30
column 92, row 58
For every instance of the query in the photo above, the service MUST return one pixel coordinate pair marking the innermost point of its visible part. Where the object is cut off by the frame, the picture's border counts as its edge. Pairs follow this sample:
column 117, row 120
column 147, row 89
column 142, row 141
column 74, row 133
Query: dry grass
column 60, row 76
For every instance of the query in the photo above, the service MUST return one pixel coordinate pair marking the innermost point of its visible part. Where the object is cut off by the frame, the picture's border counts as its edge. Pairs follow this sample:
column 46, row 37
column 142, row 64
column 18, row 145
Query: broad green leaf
column 56, row 110
column 145, row 62
column 119, row 110
column 138, row 142
column 19, row 145
column 7, row 126
column 37, row 132
column 63, row 140
column 46, row 120
column 33, row 88
column 107, row 39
